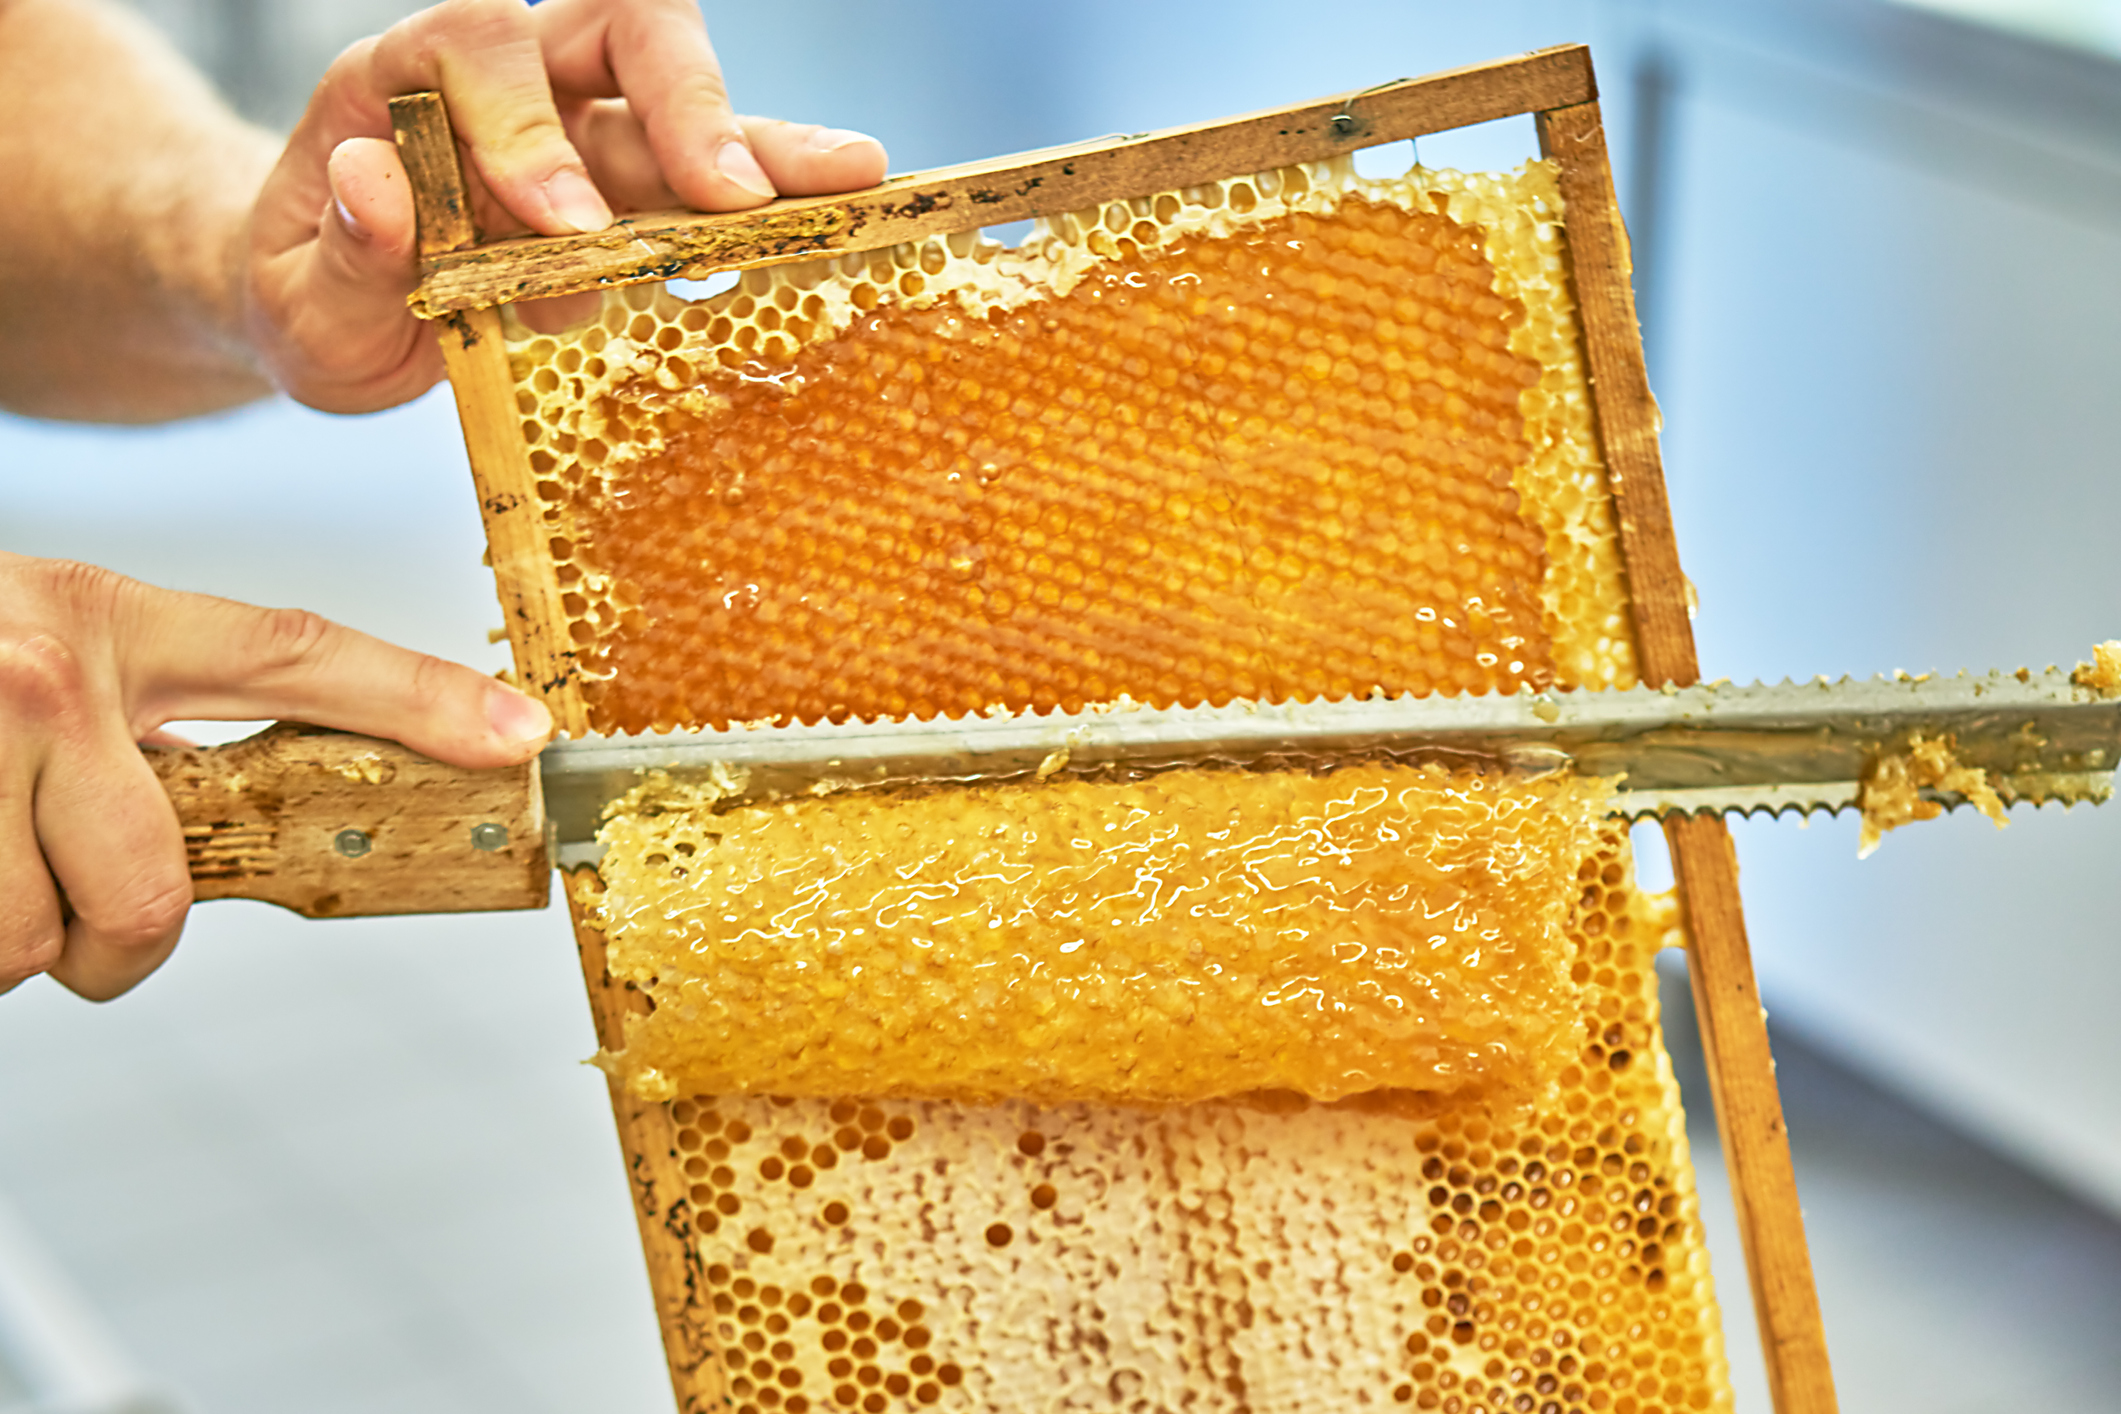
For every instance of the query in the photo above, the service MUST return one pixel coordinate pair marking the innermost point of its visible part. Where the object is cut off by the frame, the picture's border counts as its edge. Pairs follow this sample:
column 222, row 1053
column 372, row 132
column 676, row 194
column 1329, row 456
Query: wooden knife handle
column 334, row 825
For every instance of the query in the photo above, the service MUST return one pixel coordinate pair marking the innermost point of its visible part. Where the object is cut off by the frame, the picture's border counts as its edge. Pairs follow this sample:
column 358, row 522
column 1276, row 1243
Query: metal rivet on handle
column 353, row 843
column 489, row 837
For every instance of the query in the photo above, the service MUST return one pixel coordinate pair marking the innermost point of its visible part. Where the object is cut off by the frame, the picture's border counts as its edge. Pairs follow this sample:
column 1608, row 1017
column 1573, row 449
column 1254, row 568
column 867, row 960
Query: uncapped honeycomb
column 1188, row 935
column 871, row 1254
column 1291, row 435
column 1295, row 435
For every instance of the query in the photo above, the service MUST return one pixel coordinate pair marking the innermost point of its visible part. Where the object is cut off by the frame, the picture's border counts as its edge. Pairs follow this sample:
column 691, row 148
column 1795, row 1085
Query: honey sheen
column 1286, row 435
column 1192, row 935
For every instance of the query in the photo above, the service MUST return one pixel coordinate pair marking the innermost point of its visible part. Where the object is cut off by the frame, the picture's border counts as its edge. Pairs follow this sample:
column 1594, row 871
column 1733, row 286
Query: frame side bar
column 476, row 357
column 516, row 537
column 1726, row 995
column 989, row 193
column 662, row 1201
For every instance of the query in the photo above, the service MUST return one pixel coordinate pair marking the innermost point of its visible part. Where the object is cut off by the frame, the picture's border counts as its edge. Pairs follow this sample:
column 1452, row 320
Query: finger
column 342, row 336
column 111, row 839
column 332, row 255
column 485, row 57
column 655, row 53
column 373, row 210
column 285, row 215
column 559, row 313
column 31, row 933
column 197, row 657
column 43, row 687
column 348, row 287
column 611, row 139
column 804, row 159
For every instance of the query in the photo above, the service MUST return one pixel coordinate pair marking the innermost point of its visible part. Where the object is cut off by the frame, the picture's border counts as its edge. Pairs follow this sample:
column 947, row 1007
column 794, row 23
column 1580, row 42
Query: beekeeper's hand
column 93, row 882
column 160, row 257
column 566, row 113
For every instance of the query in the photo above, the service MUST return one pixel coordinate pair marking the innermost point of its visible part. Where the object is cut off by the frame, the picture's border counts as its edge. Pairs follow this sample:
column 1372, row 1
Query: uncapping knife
column 332, row 825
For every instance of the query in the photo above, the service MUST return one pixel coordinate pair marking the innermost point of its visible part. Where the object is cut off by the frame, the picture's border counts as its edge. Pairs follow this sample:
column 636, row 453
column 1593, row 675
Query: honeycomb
column 1293, row 435
column 1289, row 435
column 873, row 1254
column 1189, row 935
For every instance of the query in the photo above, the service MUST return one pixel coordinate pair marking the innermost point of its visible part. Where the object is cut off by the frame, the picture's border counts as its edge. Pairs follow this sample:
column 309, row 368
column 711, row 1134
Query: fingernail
column 575, row 201
column 739, row 166
column 515, row 717
column 346, row 218
column 833, row 139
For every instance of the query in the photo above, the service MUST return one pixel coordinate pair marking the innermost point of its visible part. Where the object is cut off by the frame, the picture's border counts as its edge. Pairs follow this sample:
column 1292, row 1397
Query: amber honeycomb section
column 1225, row 447
column 880, row 1255
column 1185, row 936
column 1208, row 471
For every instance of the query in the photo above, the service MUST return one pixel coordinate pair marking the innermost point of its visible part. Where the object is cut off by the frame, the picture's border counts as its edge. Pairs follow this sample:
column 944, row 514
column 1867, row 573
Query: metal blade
column 1716, row 747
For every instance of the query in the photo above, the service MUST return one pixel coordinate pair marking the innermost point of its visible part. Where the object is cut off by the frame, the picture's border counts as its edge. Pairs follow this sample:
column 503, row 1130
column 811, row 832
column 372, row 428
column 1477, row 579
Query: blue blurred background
column 353, row 1166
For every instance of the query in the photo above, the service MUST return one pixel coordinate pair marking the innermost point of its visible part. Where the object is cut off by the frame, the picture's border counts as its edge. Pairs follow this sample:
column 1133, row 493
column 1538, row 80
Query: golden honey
column 877, row 1254
column 1193, row 935
column 1287, row 435
column 1336, row 447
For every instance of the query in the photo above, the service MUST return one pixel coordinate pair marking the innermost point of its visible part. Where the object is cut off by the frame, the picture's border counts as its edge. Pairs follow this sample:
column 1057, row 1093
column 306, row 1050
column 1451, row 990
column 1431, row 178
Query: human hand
column 566, row 113
column 93, row 881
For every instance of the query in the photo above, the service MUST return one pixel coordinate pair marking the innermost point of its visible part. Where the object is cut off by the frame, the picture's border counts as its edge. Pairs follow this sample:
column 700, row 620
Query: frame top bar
column 690, row 244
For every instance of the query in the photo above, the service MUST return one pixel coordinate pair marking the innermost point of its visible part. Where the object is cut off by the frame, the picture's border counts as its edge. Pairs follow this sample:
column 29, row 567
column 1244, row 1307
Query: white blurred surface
column 1951, row 1280
column 340, row 1166
column 368, row 520
column 1884, row 453
column 2092, row 24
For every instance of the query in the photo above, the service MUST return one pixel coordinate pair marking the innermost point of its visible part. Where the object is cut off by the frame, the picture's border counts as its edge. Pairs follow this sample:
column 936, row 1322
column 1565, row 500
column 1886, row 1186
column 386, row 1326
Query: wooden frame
column 463, row 281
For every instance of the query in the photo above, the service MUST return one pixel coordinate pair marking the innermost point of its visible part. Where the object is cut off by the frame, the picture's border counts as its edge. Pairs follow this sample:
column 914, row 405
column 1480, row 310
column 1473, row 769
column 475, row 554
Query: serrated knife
column 333, row 825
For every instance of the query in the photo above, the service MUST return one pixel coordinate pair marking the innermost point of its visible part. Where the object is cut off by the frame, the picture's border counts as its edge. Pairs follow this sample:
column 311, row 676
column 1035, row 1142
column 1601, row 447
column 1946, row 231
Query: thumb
column 334, row 303
column 372, row 202
column 191, row 656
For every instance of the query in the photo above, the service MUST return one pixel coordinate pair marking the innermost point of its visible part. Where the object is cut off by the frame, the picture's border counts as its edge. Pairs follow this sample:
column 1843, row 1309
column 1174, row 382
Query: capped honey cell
column 1336, row 445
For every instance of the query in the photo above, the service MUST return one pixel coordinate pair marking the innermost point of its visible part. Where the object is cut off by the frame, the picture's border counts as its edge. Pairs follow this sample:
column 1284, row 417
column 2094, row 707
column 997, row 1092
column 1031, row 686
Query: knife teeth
column 1805, row 746
column 1722, row 689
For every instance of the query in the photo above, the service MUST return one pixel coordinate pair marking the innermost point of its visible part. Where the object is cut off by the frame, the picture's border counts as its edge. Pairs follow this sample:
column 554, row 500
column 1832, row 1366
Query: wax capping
column 1192, row 935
